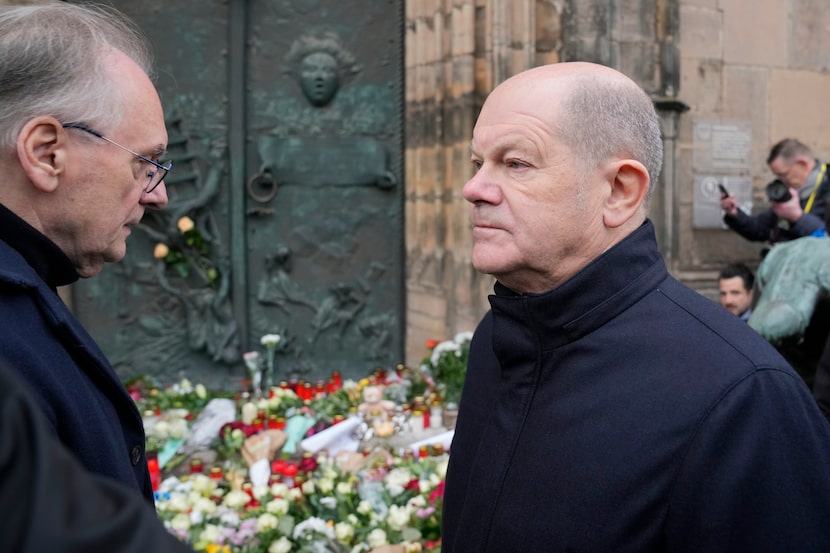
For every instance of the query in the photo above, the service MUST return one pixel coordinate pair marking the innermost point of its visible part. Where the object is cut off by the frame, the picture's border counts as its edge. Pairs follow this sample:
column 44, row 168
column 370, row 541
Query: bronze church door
column 285, row 216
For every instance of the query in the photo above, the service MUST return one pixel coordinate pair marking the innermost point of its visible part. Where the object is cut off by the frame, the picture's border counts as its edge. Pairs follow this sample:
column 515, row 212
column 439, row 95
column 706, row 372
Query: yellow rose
column 185, row 224
column 161, row 250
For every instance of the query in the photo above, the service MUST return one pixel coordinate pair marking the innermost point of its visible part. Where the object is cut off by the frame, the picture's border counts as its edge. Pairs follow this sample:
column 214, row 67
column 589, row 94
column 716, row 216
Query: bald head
column 597, row 111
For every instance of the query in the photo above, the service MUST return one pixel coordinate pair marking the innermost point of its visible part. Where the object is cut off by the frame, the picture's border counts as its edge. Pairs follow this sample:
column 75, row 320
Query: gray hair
column 603, row 118
column 788, row 149
column 51, row 63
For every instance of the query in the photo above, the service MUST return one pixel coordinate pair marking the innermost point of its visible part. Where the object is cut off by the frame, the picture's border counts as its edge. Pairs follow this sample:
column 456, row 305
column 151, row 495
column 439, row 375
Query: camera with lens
column 777, row 191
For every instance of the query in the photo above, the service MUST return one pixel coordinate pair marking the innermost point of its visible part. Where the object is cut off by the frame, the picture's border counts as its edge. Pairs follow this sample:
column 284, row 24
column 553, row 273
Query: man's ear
column 41, row 150
column 629, row 183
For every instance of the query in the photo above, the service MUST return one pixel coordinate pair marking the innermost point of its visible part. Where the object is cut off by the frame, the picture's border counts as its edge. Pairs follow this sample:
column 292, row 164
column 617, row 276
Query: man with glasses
column 797, row 197
column 82, row 136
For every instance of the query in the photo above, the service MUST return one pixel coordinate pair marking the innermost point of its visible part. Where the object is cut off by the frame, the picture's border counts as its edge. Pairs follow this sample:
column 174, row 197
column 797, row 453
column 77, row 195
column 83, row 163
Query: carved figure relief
column 277, row 287
column 193, row 264
column 320, row 190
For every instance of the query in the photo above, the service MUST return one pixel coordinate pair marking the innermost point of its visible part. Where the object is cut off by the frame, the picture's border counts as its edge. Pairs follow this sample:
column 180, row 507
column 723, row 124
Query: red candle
column 196, row 466
column 155, row 472
column 278, row 466
column 289, row 473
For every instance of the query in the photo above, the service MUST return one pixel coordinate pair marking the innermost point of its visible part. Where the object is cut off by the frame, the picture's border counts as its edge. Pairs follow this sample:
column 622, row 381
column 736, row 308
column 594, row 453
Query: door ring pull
column 263, row 187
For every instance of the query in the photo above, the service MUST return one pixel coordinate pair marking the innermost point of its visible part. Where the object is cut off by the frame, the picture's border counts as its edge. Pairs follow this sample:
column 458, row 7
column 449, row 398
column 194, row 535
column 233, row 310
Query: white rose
column 203, row 485
column 441, row 467
column 278, row 489
column 204, row 505
column 398, row 517
column 236, row 499
column 325, row 485
column 178, row 502
column 161, row 429
column 364, row 507
column 180, row 522
column 399, row 476
column 345, row 488
column 278, row 507
column 376, row 538
column 282, row 545
column 308, row 487
column 178, row 428
column 395, row 489
column 265, row 522
column 210, row 534
column 424, row 486
column 196, row 518
column 343, row 532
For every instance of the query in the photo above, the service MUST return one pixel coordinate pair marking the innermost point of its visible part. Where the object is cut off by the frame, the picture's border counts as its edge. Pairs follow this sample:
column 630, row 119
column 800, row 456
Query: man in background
column 81, row 133
column 797, row 197
column 735, row 284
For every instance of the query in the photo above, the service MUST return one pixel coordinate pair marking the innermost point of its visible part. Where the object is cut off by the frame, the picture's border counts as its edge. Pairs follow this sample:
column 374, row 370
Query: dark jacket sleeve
column 759, row 228
column 755, row 228
column 821, row 382
column 738, row 490
column 51, row 503
column 806, row 225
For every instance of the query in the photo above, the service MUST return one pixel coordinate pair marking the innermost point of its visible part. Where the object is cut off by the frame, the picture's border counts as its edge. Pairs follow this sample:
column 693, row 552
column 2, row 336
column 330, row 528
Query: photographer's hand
column 729, row 205
column 789, row 210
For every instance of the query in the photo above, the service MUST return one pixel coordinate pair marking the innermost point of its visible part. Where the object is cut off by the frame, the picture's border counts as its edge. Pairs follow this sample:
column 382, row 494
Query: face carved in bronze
column 319, row 78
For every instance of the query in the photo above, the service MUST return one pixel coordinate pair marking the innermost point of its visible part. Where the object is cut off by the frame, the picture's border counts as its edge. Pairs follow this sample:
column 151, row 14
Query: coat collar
column 602, row 290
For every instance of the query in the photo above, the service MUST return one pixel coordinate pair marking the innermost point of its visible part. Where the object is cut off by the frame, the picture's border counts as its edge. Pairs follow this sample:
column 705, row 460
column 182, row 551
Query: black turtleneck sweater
column 79, row 392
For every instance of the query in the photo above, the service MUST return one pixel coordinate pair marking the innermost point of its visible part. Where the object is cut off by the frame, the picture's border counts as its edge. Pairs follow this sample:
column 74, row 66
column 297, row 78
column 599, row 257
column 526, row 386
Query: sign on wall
column 706, row 210
column 722, row 155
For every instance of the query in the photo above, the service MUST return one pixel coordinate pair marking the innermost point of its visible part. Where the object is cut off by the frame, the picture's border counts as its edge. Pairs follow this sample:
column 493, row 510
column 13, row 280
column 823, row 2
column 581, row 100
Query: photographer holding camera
column 797, row 197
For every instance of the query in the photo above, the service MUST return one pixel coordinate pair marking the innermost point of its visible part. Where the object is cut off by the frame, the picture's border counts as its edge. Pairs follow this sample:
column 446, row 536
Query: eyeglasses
column 783, row 176
column 155, row 175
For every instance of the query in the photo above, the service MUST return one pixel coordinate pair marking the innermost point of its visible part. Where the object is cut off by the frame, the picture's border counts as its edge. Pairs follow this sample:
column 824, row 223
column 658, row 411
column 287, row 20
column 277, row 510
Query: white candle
column 249, row 412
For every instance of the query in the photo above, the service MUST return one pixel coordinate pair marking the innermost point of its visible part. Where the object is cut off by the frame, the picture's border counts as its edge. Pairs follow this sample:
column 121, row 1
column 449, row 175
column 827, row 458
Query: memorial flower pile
column 393, row 501
column 252, row 488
